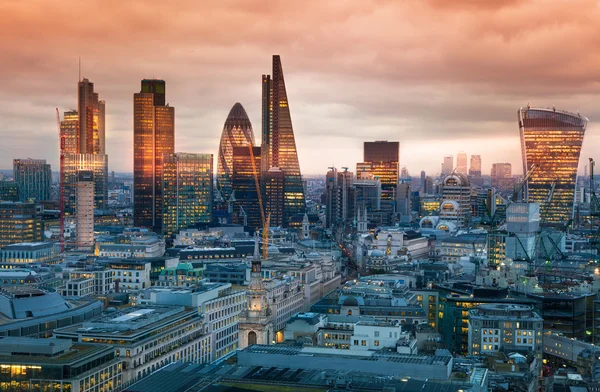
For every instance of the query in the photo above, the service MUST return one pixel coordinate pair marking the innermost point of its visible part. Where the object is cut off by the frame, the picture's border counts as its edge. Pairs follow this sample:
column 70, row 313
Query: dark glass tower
column 153, row 138
column 279, row 146
column 552, row 141
column 237, row 132
column 246, row 207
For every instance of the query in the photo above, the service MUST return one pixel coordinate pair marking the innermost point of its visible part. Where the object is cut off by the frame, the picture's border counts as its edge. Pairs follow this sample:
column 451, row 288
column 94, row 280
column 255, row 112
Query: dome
column 429, row 222
column 456, row 179
column 273, row 250
column 313, row 255
column 449, row 206
column 30, row 278
column 446, row 226
column 377, row 253
column 238, row 117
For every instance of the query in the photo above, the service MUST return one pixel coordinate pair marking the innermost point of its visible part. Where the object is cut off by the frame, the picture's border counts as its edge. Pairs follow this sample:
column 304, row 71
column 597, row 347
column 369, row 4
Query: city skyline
column 442, row 100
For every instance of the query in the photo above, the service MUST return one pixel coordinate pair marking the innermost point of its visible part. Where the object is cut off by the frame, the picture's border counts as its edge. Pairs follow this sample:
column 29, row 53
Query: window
column 376, row 334
column 376, row 343
column 363, row 343
column 356, row 342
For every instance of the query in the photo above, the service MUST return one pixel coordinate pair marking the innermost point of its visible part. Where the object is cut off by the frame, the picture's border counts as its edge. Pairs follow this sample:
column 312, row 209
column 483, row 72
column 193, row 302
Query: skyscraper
column 338, row 197
column 72, row 165
column 19, row 222
column 91, row 119
column 461, row 163
column 279, row 145
column 237, row 132
column 447, row 165
column 69, row 128
column 475, row 168
column 85, row 209
column 153, row 137
column 188, row 186
column 33, row 178
column 381, row 162
column 246, row 207
column 552, row 141
column 501, row 175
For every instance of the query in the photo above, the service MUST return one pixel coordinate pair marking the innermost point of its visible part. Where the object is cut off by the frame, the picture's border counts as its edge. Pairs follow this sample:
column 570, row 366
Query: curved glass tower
column 551, row 140
column 237, row 132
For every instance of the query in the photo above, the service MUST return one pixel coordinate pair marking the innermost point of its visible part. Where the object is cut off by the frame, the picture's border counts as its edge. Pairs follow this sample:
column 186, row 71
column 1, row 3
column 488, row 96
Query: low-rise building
column 505, row 328
column 78, row 288
column 147, row 337
column 463, row 245
column 183, row 275
column 58, row 365
column 138, row 245
column 237, row 273
column 27, row 253
column 130, row 274
column 30, row 311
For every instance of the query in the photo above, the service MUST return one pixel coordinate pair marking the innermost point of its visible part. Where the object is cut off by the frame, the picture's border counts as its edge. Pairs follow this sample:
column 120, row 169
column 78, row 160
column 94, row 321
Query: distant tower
column 85, row 209
column 475, row 168
column 305, row 227
column 461, row 163
column 255, row 325
column 447, row 165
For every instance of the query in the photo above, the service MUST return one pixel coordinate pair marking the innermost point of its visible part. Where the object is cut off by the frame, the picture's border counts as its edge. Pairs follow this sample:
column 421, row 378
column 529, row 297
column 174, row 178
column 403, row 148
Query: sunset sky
column 439, row 76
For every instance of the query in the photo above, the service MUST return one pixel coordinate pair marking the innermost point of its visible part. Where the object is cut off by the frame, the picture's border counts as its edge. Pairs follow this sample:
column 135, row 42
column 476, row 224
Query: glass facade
column 246, row 208
column 69, row 128
column 73, row 163
column 552, row 141
column 279, row 145
column 187, row 184
column 19, row 223
column 91, row 119
column 475, row 168
column 237, row 132
column 153, row 137
column 33, row 178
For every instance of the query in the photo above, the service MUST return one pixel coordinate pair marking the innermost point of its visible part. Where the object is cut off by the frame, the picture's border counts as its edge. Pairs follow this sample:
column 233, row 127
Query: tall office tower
column 367, row 194
column 246, row 207
column 153, row 137
column 423, row 176
column 188, row 188
column 475, row 168
column 428, row 186
column 381, row 162
column 91, row 119
column 501, row 175
column 237, row 132
column 69, row 129
column 33, row 178
column 72, row 165
column 19, row 222
column 278, row 143
column 403, row 201
column 456, row 200
column 273, row 186
column 551, row 140
column 404, row 175
column 84, row 218
column 447, row 165
column 461, row 162
column 338, row 198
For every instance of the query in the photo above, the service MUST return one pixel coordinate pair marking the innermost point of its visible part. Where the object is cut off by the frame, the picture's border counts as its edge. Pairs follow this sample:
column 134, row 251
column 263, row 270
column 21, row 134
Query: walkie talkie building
column 551, row 140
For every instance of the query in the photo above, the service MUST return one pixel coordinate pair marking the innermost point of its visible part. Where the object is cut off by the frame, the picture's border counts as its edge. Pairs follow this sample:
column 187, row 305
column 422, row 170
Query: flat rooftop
column 391, row 356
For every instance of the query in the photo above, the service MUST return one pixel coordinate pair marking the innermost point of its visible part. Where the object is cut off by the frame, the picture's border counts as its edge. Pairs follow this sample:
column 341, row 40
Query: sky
column 438, row 76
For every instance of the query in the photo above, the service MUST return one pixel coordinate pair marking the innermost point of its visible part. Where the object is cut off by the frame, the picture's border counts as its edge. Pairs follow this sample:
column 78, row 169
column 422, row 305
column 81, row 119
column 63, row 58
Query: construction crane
column 594, row 211
column 266, row 220
column 61, row 138
column 493, row 231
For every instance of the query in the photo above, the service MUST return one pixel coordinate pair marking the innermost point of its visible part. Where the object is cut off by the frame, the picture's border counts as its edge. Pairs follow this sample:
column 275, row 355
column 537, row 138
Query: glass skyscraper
column 153, row 138
column 72, row 165
column 279, row 147
column 237, row 132
column 551, row 140
column 33, row 178
column 188, row 186
column 246, row 207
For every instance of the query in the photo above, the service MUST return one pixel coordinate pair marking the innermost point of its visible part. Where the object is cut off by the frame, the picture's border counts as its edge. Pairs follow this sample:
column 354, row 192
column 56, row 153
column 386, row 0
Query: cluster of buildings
column 366, row 279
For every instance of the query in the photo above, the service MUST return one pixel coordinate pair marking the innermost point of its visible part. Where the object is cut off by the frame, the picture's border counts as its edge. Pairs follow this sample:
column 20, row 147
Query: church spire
column 256, row 261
